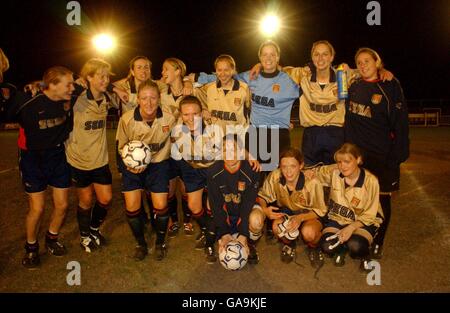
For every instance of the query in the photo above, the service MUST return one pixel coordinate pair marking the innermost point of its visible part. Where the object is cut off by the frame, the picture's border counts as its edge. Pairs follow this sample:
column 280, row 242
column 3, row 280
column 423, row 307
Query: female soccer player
column 87, row 152
column 288, row 193
column 150, row 124
column 354, row 210
column 378, row 110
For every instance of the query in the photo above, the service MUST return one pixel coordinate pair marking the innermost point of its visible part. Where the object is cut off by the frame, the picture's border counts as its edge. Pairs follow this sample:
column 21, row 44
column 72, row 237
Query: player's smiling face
column 63, row 89
column 169, row 73
column 348, row 165
column 367, row 66
column 99, row 82
column 269, row 59
column 290, row 168
column 224, row 72
column 322, row 57
column 141, row 70
column 191, row 114
column 148, row 103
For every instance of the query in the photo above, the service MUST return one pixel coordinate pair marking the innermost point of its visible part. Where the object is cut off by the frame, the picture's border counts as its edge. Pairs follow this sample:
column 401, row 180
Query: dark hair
column 292, row 153
column 53, row 75
column 133, row 60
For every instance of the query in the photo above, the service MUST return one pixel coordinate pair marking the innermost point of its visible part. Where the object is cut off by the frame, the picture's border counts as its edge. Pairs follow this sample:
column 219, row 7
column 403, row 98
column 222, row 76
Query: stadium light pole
column 270, row 25
column 104, row 43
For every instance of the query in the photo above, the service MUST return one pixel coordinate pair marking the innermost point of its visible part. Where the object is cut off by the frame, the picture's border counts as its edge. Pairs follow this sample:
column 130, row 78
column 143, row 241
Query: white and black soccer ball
column 292, row 235
column 136, row 155
column 234, row 256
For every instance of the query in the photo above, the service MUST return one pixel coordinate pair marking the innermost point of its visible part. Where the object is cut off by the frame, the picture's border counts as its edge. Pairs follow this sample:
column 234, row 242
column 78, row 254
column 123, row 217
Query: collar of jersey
column 300, row 181
column 362, row 175
column 236, row 84
column 270, row 75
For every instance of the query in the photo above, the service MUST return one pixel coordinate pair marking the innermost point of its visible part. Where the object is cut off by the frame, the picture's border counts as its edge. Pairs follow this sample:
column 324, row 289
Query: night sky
column 413, row 38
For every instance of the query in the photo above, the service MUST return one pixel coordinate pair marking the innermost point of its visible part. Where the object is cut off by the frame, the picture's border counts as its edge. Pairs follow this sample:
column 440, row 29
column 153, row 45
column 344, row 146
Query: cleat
column 31, row 260
column 140, row 252
column 339, row 259
column 173, row 230
column 97, row 238
column 201, row 243
column 364, row 266
column 287, row 254
column 87, row 244
column 270, row 237
column 253, row 257
column 211, row 257
column 188, row 229
column 377, row 251
column 55, row 248
column 160, row 251
column 316, row 257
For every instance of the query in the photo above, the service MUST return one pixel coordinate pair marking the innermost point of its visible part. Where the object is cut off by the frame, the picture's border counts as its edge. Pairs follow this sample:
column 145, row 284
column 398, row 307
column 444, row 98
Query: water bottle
column 342, row 83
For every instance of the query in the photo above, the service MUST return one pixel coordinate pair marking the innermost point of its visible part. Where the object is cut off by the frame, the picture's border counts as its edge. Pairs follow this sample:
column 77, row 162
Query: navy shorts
column 84, row 178
column 174, row 171
column 372, row 229
column 193, row 178
column 42, row 168
column 319, row 143
column 155, row 178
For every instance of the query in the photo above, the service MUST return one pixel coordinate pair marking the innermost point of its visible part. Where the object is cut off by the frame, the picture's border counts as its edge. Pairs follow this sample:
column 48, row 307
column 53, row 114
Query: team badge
column 237, row 101
column 165, row 128
column 67, row 106
column 355, row 201
column 6, row 94
column 299, row 198
column 376, row 98
column 241, row 185
column 276, row 88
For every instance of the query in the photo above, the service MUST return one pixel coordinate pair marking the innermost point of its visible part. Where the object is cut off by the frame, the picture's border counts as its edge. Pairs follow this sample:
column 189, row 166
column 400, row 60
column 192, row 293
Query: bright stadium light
column 270, row 25
column 104, row 43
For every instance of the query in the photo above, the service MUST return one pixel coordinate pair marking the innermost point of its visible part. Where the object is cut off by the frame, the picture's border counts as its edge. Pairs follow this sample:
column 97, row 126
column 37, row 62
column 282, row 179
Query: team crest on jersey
column 376, row 98
column 237, row 101
column 276, row 88
column 165, row 128
column 299, row 198
column 6, row 94
column 67, row 106
column 241, row 185
column 355, row 201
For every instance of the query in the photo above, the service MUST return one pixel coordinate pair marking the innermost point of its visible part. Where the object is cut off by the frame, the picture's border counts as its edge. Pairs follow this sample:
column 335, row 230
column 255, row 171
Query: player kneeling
column 232, row 190
column 355, row 212
column 298, row 206
column 148, row 124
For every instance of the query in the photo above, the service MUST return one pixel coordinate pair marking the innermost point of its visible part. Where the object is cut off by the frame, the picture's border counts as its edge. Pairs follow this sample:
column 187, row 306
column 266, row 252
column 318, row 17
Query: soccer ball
column 283, row 233
column 234, row 256
column 136, row 155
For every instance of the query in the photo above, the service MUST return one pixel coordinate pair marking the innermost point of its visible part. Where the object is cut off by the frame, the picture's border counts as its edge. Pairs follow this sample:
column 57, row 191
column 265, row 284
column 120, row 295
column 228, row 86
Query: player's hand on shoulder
column 255, row 165
column 386, row 75
column 121, row 93
column 254, row 72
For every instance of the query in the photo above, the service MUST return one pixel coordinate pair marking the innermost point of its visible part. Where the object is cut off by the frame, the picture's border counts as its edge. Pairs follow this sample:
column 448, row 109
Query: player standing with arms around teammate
column 149, row 124
column 87, row 152
column 377, row 122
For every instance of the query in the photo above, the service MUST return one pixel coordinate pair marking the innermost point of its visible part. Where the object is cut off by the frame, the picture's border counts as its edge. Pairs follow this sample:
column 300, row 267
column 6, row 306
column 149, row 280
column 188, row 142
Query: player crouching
column 298, row 206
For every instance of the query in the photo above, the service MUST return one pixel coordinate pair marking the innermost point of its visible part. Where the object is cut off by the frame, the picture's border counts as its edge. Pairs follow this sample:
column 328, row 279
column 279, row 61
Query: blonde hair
column 177, row 65
column 4, row 64
column 93, row 65
column 323, row 42
column 349, row 148
column 269, row 43
column 373, row 54
column 53, row 75
column 148, row 84
column 227, row 58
